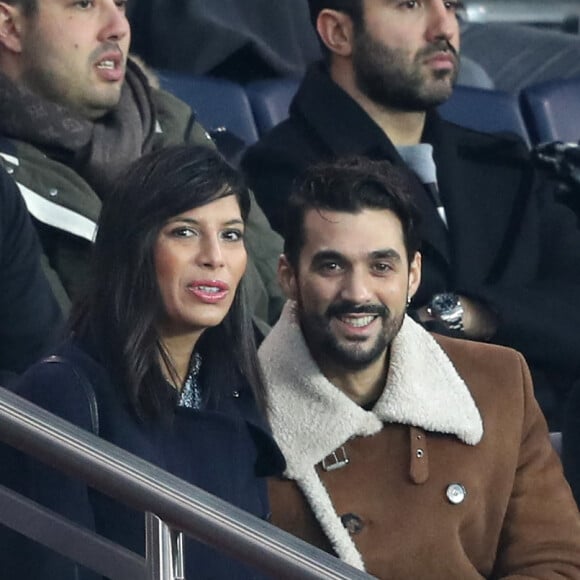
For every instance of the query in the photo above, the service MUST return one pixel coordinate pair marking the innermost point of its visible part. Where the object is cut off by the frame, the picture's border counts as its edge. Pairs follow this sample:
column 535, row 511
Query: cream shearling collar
column 311, row 418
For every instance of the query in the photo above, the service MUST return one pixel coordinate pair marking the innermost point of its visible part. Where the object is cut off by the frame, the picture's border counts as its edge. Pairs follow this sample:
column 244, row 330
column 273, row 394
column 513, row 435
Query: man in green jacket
column 77, row 111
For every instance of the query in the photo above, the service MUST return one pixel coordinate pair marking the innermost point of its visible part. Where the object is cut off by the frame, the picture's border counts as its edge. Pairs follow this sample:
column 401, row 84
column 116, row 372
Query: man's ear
column 414, row 274
column 336, row 30
column 11, row 22
column 287, row 278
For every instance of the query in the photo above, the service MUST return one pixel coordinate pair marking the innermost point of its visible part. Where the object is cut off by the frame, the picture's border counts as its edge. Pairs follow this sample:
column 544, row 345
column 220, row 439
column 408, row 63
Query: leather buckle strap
column 336, row 460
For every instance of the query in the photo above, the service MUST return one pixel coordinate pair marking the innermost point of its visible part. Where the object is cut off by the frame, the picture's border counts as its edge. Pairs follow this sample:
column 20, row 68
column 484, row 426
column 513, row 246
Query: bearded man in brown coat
column 409, row 454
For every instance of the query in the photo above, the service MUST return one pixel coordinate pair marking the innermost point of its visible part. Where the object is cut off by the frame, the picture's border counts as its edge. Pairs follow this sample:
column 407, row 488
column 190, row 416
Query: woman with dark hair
column 162, row 359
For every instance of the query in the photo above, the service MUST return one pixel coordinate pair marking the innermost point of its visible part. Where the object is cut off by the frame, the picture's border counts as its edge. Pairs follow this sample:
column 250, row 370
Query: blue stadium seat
column 476, row 108
column 472, row 74
column 485, row 110
column 552, row 110
column 270, row 100
column 218, row 103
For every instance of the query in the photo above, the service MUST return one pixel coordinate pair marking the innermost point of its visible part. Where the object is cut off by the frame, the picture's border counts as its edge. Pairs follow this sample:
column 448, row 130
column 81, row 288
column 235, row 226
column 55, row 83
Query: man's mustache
column 440, row 45
column 348, row 307
column 107, row 46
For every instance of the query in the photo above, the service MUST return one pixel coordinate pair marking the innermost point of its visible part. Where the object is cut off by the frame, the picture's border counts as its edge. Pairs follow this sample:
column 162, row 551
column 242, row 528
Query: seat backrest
column 552, row 110
column 476, row 108
column 270, row 100
column 472, row 74
column 218, row 103
column 485, row 110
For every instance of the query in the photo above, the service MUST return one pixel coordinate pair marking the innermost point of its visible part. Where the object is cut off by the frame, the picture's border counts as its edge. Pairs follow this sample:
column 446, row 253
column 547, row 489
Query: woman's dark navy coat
column 225, row 449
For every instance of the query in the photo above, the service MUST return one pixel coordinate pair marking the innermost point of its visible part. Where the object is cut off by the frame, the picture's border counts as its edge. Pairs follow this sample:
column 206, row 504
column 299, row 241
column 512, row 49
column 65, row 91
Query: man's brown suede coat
column 515, row 516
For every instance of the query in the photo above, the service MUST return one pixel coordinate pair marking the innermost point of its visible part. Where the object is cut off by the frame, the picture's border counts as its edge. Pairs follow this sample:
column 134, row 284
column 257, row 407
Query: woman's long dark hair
column 124, row 304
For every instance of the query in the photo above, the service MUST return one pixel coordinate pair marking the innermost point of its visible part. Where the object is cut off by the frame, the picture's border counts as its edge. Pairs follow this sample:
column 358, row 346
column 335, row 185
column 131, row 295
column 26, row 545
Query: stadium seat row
column 548, row 111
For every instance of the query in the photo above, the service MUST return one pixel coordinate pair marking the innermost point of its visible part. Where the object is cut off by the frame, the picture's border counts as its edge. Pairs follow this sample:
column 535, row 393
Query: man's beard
column 388, row 78
column 348, row 354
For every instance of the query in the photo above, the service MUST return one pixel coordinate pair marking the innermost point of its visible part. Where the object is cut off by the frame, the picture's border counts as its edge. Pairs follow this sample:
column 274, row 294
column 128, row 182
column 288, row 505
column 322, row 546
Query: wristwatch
column 446, row 307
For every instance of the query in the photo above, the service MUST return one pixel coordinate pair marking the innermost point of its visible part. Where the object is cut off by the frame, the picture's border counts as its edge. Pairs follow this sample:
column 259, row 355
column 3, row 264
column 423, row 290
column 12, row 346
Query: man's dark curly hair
column 351, row 185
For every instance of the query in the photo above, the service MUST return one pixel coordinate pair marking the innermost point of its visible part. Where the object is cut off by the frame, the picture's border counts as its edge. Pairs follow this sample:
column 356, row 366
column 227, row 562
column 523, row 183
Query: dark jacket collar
column 341, row 122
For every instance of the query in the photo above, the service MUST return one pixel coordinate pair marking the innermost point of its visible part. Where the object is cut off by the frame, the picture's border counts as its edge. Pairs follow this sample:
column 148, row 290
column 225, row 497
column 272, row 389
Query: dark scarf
column 98, row 150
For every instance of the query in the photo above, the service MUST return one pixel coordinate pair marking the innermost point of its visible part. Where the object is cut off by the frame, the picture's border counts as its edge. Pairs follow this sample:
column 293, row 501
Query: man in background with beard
column 501, row 259
column 410, row 455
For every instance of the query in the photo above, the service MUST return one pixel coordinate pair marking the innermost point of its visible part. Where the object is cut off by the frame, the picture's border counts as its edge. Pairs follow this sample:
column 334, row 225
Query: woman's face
column 200, row 258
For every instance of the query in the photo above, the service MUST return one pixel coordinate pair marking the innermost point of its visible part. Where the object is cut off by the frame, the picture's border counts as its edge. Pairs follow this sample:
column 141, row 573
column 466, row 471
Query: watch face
column 447, row 308
column 445, row 302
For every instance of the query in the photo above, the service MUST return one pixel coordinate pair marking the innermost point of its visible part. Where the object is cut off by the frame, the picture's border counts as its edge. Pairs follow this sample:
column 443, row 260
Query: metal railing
column 178, row 507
